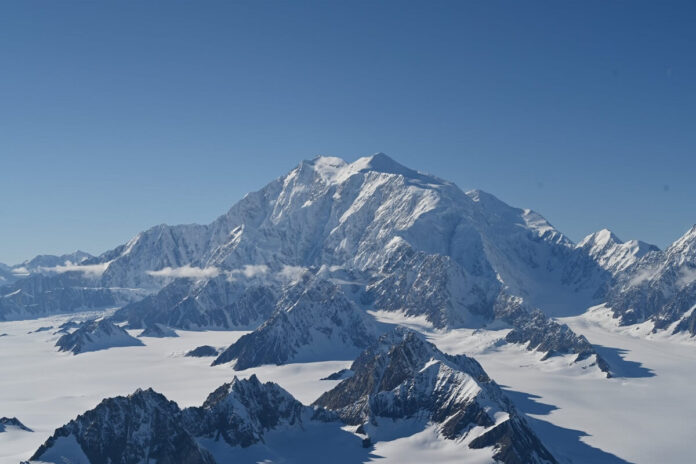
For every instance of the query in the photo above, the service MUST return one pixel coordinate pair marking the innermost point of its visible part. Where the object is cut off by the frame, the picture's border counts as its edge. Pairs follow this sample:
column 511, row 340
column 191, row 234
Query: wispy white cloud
column 21, row 270
column 292, row 273
column 641, row 277
column 89, row 270
column 248, row 271
column 686, row 277
column 188, row 272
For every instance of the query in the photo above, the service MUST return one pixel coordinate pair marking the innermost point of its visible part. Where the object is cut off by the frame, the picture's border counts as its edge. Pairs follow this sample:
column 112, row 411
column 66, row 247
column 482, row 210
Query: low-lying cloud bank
column 248, row 271
column 187, row 271
column 89, row 270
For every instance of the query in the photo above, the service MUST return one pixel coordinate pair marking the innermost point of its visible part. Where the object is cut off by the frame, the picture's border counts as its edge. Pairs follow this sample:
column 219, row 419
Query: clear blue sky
column 115, row 116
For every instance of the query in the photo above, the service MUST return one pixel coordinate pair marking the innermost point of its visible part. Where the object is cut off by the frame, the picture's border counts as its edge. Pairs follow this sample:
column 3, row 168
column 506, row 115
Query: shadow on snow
column 620, row 366
column 565, row 444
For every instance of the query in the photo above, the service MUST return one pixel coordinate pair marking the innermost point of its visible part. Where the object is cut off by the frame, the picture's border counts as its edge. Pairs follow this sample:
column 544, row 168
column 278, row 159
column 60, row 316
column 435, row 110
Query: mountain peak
column 600, row 238
column 379, row 162
column 686, row 244
column 336, row 170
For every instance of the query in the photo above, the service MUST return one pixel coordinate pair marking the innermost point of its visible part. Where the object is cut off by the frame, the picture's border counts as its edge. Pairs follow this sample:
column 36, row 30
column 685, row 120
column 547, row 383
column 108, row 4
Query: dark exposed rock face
column 514, row 442
column 96, row 335
column 67, row 327
column 45, row 328
column 403, row 376
column 158, row 331
column 6, row 422
column 142, row 427
column 202, row 351
column 313, row 314
column 340, row 375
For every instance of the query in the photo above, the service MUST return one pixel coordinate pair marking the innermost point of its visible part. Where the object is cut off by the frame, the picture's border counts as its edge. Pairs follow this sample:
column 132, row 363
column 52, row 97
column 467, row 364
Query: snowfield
column 578, row 413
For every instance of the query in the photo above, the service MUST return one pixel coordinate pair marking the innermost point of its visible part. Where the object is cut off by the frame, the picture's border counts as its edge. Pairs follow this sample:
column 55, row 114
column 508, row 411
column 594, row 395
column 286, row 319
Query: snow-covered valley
column 643, row 415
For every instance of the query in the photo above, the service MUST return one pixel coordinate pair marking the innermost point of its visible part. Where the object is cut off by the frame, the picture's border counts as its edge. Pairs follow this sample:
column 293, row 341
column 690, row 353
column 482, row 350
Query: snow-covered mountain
column 6, row 275
column 41, row 294
column 402, row 376
column 240, row 412
column 660, row 287
column 313, row 321
column 216, row 303
column 380, row 221
column 42, row 264
column 416, row 243
column 613, row 254
column 96, row 335
column 52, row 263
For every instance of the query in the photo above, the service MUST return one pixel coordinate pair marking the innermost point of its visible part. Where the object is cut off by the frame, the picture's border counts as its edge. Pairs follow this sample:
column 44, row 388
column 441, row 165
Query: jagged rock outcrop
column 403, row 376
column 202, row 352
column 96, row 335
column 158, row 331
column 12, row 423
column 538, row 332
